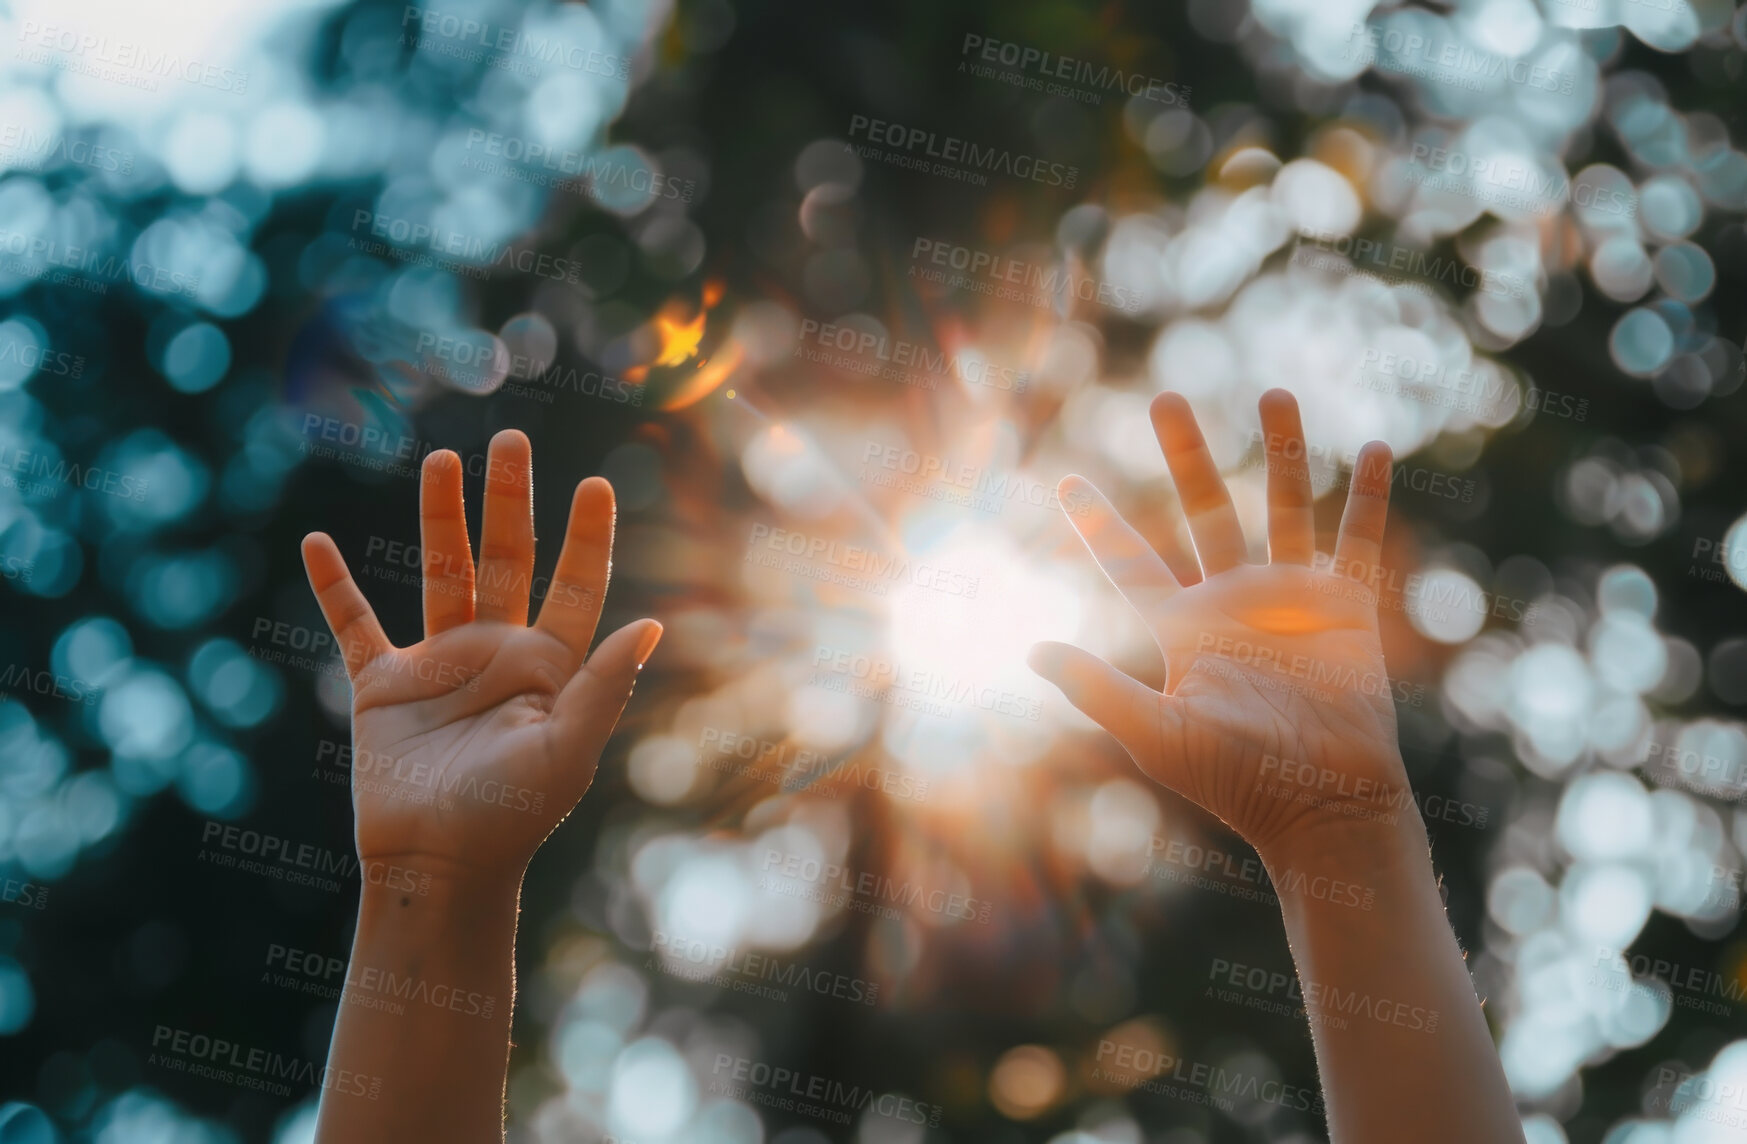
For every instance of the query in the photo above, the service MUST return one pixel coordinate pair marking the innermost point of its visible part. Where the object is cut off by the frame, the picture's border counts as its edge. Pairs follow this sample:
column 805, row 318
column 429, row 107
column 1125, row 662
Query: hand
column 1277, row 714
column 470, row 746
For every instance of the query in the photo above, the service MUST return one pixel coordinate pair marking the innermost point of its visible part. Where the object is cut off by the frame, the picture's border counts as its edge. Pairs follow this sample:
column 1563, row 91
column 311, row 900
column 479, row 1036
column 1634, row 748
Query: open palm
column 471, row 745
column 1277, row 714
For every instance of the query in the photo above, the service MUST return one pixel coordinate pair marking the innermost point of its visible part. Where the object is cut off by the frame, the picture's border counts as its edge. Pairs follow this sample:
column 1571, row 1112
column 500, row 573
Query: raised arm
column 469, row 747
column 1278, row 716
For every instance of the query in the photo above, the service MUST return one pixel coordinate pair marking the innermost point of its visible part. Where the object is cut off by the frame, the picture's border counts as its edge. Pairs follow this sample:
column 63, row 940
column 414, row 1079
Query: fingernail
column 1044, row 658
column 646, row 643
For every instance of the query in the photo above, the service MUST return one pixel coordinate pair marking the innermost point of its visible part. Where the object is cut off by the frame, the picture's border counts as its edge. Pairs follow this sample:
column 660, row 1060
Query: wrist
column 1362, row 860
column 438, row 886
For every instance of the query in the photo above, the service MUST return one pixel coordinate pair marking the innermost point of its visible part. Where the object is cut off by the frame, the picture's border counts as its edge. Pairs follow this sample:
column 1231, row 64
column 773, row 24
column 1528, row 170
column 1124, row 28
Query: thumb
column 588, row 708
column 1122, row 705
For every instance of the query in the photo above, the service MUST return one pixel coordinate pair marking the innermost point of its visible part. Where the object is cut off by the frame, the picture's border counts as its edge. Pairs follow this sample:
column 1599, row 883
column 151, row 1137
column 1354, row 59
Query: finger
column 1127, row 559
column 355, row 626
column 1122, row 705
column 1359, row 547
column 589, row 707
column 1219, row 539
column 1291, row 511
column 506, row 539
column 579, row 584
column 448, row 560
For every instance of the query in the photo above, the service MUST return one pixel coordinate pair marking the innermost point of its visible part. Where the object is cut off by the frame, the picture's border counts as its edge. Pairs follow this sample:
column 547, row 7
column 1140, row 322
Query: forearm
column 426, row 1009
column 1401, row 1042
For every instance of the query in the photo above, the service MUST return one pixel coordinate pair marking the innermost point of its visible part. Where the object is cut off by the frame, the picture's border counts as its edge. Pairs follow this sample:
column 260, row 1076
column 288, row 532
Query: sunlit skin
column 1256, row 655
column 469, row 747
column 452, row 734
column 1282, row 661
